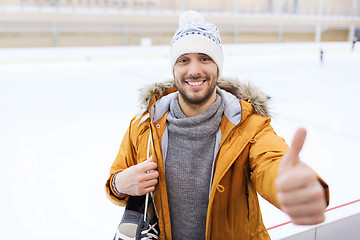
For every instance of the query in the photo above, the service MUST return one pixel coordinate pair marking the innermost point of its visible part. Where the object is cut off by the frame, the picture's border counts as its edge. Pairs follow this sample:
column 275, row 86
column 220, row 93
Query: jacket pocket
column 247, row 193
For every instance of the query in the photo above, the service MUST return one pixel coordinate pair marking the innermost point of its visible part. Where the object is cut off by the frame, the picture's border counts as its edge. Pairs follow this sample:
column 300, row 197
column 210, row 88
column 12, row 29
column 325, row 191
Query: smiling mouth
column 195, row 83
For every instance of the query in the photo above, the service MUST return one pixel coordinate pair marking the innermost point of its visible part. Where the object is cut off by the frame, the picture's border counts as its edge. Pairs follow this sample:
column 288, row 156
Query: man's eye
column 205, row 59
column 182, row 60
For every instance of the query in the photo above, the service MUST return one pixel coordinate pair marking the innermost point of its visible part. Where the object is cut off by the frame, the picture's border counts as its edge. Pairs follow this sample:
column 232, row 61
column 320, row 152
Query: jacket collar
column 156, row 98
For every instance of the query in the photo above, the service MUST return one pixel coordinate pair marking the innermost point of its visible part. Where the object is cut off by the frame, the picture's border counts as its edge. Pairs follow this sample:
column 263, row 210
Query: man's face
column 195, row 77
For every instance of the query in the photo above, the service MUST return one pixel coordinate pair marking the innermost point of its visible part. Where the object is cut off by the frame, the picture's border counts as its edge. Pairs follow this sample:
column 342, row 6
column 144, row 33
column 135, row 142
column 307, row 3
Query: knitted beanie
column 196, row 36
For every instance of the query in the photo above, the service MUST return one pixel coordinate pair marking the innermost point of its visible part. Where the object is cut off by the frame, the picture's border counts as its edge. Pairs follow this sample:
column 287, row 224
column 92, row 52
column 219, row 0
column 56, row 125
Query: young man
column 212, row 149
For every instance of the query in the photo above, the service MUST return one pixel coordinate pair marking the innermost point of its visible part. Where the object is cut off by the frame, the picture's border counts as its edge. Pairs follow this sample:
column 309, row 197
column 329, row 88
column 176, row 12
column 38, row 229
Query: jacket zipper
column 162, row 210
column 217, row 155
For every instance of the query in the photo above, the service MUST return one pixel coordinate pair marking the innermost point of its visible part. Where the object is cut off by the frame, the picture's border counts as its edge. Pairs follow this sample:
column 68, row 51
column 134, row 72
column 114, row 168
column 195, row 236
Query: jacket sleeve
column 125, row 158
column 265, row 155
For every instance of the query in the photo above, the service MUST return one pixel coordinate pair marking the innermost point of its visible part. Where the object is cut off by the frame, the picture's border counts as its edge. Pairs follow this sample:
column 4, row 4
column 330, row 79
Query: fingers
column 146, row 170
column 147, row 176
column 310, row 209
column 138, row 179
column 303, row 211
column 147, row 182
column 149, row 186
column 301, row 196
column 147, row 165
column 309, row 220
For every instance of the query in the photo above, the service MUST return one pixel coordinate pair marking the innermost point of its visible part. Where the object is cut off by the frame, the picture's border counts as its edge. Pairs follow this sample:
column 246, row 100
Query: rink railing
column 344, row 228
column 337, row 8
column 327, row 210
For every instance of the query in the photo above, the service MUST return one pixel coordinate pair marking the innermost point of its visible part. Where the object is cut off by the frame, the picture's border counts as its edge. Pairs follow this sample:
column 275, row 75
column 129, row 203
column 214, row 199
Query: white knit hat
column 196, row 36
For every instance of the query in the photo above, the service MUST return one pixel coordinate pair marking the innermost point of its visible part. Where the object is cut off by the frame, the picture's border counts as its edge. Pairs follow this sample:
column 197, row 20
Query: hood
column 243, row 91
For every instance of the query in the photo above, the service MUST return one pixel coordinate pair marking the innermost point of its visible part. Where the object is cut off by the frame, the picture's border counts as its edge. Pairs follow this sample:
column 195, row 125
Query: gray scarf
column 188, row 167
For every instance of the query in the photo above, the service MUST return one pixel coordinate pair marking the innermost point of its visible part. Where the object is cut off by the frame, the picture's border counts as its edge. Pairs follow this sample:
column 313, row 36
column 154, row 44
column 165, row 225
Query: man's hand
column 138, row 179
column 300, row 193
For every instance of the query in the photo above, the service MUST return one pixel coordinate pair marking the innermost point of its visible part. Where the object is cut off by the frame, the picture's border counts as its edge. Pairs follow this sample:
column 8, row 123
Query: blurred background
column 70, row 71
column 39, row 23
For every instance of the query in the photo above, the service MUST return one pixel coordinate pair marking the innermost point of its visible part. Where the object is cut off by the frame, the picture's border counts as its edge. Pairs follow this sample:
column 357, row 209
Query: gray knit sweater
column 188, row 167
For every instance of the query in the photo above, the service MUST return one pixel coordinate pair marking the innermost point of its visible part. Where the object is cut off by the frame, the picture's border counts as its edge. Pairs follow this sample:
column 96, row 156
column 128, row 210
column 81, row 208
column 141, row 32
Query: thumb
column 150, row 159
column 291, row 158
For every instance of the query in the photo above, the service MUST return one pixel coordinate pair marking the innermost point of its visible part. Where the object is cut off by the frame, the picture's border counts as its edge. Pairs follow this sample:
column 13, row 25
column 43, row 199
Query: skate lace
column 148, row 235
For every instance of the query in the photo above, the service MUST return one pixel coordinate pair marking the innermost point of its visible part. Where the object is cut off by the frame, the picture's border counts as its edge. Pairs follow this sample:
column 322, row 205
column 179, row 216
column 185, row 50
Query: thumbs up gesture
column 300, row 193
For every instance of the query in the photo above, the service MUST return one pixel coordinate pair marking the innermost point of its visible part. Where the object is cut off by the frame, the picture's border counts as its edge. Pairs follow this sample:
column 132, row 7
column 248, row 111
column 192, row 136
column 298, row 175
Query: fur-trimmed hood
column 243, row 91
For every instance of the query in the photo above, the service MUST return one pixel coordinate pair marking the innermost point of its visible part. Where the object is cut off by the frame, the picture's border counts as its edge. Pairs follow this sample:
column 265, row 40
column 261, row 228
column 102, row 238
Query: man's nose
column 194, row 68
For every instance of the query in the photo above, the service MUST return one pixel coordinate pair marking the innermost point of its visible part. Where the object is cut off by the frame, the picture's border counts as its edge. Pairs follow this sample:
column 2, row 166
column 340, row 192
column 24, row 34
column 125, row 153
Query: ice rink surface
column 64, row 112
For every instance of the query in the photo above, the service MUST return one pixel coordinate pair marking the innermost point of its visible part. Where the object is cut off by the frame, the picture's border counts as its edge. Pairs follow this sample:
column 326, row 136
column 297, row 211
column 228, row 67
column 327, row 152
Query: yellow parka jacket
column 247, row 159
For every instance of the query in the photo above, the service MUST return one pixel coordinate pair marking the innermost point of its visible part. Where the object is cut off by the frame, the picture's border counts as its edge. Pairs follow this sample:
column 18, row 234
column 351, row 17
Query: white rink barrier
column 344, row 229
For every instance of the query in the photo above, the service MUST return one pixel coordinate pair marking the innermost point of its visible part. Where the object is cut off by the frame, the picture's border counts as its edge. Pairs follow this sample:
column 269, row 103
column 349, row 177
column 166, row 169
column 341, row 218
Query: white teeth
column 195, row 83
